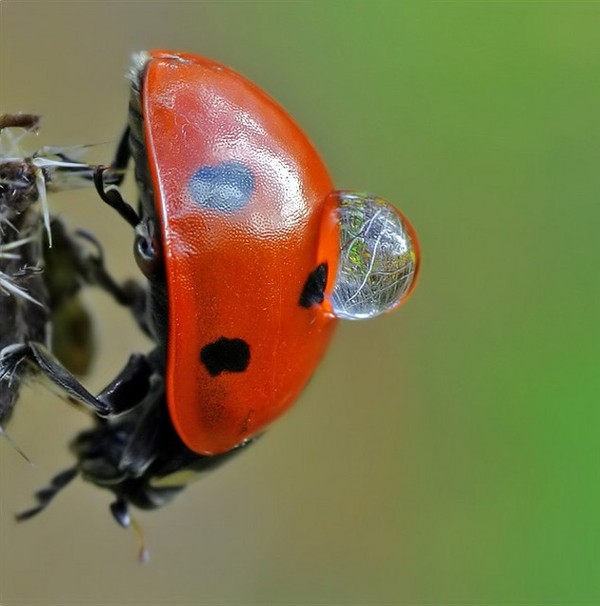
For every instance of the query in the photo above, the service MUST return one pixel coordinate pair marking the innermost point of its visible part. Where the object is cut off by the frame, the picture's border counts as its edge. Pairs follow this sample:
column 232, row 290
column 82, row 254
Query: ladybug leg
column 94, row 272
column 69, row 257
column 121, row 159
column 115, row 173
column 130, row 386
column 45, row 495
column 129, row 294
column 112, row 196
column 123, row 393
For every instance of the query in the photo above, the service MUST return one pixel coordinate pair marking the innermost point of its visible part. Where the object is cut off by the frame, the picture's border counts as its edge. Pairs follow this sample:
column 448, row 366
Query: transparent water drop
column 378, row 260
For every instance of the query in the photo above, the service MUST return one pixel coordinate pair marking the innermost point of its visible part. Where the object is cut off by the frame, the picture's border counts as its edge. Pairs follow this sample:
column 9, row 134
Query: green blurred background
column 445, row 454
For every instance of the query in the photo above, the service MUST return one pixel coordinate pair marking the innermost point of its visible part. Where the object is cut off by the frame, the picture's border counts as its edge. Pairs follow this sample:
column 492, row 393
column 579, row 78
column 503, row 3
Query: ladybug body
column 239, row 194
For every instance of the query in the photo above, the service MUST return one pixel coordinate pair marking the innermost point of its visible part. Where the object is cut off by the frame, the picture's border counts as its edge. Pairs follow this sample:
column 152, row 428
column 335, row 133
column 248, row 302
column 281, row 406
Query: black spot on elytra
column 314, row 287
column 225, row 355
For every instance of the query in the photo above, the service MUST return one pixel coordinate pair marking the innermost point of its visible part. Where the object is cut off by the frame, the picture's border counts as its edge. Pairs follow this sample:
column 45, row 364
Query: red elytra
column 241, row 196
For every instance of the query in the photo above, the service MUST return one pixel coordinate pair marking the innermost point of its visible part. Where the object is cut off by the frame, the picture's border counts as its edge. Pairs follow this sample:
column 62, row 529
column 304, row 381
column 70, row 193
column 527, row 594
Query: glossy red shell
column 234, row 274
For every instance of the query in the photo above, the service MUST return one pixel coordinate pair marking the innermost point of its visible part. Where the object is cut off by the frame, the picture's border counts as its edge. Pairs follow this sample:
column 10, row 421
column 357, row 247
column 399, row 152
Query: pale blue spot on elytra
column 226, row 187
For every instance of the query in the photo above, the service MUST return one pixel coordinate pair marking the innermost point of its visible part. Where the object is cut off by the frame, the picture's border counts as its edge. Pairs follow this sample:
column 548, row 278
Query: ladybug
column 249, row 257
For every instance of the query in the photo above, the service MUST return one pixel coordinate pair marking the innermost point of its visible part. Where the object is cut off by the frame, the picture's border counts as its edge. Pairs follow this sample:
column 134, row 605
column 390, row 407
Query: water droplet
column 379, row 257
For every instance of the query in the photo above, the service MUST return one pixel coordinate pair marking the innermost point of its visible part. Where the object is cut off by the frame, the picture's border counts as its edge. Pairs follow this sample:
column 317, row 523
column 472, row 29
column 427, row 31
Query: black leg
column 97, row 274
column 122, row 157
column 113, row 197
column 69, row 258
column 123, row 393
column 94, row 272
column 129, row 387
column 88, row 266
column 45, row 495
